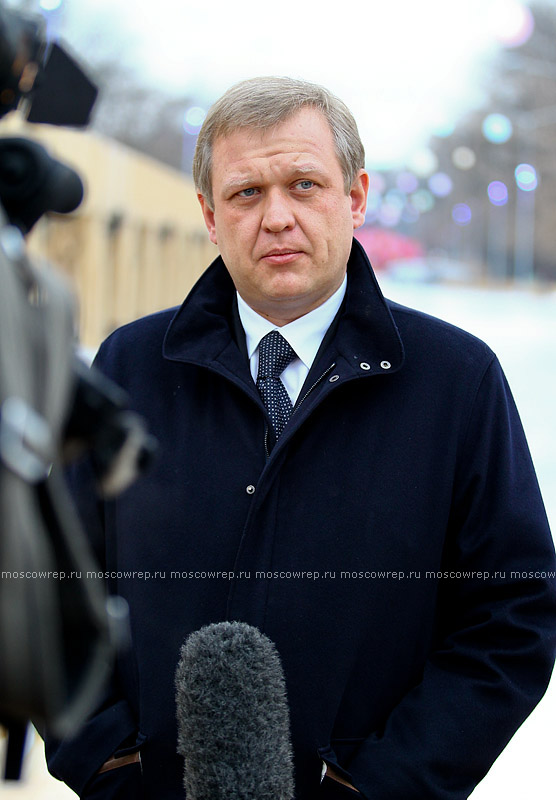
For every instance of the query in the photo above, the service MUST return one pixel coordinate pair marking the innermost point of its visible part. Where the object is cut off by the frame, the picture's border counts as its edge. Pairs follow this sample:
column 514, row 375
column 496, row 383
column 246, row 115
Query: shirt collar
column 304, row 334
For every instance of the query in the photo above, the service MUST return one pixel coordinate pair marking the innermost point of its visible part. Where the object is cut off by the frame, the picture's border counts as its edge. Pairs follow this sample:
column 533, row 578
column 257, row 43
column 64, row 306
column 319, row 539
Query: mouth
column 279, row 256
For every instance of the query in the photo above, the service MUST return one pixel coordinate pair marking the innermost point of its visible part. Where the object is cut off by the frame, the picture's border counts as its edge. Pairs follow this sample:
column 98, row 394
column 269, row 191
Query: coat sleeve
column 112, row 727
column 111, row 730
column 496, row 633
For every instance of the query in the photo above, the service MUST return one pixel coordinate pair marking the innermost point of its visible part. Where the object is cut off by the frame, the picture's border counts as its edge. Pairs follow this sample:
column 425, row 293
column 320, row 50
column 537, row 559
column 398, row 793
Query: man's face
column 282, row 220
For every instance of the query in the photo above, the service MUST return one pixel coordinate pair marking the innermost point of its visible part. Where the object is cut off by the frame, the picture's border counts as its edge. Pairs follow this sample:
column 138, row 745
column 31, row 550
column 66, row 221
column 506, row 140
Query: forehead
column 304, row 137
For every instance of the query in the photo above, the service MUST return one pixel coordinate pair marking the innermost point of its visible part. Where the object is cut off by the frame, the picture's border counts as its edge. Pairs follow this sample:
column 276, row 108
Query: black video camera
column 58, row 637
column 56, row 88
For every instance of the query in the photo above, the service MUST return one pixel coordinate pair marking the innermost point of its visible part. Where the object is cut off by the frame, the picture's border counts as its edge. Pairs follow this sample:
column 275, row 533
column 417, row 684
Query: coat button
column 250, row 489
column 333, row 378
column 385, row 364
column 364, row 365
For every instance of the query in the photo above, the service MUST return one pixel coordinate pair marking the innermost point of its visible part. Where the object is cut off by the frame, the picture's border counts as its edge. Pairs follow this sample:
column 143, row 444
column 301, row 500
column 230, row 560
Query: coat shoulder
column 133, row 352
column 151, row 326
column 146, row 333
column 431, row 336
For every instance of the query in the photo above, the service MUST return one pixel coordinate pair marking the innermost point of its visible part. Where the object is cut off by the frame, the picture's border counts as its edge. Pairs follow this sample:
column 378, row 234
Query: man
column 348, row 475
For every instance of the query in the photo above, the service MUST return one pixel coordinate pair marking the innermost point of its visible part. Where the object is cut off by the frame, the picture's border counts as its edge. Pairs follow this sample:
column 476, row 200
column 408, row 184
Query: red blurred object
column 383, row 245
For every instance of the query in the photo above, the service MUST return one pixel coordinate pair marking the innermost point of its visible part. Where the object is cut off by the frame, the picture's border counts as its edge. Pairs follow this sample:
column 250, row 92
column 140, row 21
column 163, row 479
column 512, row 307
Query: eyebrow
column 303, row 169
column 236, row 184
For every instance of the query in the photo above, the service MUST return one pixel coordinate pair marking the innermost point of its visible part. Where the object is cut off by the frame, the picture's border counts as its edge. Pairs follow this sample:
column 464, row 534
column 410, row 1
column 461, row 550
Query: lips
column 281, row 256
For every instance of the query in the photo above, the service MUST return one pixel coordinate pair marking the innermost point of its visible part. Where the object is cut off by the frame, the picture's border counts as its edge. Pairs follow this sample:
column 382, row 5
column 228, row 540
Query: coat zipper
column 297, row 405
column 308, row 392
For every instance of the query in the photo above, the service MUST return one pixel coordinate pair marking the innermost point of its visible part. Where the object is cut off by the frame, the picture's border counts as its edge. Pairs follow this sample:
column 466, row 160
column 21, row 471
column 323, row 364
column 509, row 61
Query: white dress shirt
column 304, row 335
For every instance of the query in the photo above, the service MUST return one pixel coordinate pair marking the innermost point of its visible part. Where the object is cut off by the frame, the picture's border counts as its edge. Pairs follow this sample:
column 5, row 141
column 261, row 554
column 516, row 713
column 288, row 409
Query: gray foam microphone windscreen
column 233, row 717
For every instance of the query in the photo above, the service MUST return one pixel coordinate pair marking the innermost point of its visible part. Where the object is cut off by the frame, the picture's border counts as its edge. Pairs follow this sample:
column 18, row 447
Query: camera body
column 44, row 75
column 58, row 635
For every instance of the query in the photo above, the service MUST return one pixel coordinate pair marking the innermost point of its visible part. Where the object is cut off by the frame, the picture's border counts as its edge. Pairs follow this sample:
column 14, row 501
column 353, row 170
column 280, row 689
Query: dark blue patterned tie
column 274, row 356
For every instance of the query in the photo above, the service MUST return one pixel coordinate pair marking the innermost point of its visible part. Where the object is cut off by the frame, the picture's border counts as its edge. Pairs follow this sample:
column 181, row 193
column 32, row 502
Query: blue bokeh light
column 377, row 182
column 440, row 184
column 374, row 200
column 461, row 214
column 497, row 128
column 422, row 200
column 389, row 214
column 526, row 177
column 395, row 198
column 193, row 119
column 443, row 128
column 407, row 182
column 497, row 193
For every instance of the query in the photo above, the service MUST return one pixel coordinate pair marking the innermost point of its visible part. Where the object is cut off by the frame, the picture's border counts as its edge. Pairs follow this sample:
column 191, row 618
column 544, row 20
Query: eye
column 247, row 192
column 304, row 185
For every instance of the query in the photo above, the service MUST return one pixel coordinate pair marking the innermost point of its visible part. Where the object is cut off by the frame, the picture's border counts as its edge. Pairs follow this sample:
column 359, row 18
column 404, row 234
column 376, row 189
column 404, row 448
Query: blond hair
column 263, row 103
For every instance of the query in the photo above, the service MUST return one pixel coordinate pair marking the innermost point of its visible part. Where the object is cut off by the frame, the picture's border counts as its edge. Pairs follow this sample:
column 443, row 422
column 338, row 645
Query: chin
column 293, row 300
column 288, row 286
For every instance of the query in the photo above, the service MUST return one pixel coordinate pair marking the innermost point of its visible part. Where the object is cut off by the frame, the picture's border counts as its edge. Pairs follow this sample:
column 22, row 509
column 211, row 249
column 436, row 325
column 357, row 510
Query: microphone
column 233, row 717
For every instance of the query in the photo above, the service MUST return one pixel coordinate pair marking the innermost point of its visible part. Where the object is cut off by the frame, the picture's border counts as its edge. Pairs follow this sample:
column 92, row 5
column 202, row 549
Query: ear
column 208, row 215
column 358, row 196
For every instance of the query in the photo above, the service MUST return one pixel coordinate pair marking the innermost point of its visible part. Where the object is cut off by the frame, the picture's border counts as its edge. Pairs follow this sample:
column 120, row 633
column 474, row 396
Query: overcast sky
column 403, row 67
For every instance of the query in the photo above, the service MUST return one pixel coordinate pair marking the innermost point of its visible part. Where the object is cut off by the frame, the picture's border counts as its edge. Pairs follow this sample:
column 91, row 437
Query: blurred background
column 456, row 104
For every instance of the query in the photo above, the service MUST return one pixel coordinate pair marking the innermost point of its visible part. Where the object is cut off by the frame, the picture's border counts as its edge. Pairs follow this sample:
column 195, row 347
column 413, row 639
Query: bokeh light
column 376, row 182
column 511, row 22
column 442, row 126
column 497, row 128
column 407, row 182
column 422, row 200
column 374, row 199
column 498, row 193
column 423, row 163
column 526, row 177
column 50, row 5
column 389, row 215
column 461, row 214
column 440, row 184
column 193, row 119
column 374, row 202
column 395, row 198
column 463, row 157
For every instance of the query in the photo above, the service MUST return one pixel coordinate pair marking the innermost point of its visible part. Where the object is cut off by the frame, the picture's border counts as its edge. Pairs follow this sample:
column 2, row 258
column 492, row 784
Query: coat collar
column 366, row 339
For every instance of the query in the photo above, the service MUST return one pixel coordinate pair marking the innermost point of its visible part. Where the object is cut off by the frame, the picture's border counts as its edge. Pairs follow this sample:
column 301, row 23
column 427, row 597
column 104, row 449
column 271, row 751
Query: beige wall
column 136, row 244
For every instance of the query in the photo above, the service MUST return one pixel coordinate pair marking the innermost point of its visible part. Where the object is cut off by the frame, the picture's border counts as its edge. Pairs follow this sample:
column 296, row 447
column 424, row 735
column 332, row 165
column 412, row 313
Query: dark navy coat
column 393, row 545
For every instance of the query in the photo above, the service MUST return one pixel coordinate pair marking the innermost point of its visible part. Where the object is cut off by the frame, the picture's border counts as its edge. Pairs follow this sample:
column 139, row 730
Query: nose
column 277, row 212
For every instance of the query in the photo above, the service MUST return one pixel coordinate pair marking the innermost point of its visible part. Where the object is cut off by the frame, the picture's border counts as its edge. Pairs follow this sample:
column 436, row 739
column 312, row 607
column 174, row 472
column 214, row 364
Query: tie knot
column 275, row 353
